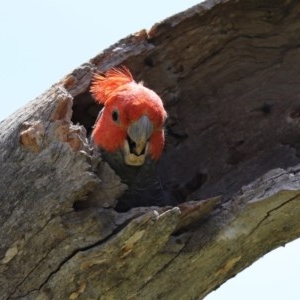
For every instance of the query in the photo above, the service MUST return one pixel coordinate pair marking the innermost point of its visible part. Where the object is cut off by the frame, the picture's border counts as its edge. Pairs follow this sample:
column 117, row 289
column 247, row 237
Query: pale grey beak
column 137, row 143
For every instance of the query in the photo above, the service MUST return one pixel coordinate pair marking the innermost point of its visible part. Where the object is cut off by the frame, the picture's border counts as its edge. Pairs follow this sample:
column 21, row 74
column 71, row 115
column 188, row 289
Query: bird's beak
column 137, row 143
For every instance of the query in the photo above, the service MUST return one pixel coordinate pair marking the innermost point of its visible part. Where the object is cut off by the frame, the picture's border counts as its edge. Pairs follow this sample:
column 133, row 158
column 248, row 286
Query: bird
column 129, row 132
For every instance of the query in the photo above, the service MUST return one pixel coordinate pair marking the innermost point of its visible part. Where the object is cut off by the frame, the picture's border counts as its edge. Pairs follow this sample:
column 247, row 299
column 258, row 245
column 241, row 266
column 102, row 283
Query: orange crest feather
column 104, row 84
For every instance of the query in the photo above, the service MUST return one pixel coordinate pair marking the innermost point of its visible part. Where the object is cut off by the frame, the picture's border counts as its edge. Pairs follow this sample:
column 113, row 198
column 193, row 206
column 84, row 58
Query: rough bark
column 228, row 74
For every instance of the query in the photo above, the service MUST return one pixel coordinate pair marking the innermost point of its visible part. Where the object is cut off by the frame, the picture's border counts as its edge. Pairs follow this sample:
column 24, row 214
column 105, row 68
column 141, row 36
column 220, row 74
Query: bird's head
column 132, row 119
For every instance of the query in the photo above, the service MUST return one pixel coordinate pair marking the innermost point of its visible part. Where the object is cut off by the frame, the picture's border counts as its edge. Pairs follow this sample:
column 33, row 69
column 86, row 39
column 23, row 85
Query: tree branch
column 226, row 71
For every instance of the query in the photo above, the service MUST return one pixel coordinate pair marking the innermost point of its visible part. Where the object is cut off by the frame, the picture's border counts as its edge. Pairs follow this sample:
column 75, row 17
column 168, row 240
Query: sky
column 42, row 41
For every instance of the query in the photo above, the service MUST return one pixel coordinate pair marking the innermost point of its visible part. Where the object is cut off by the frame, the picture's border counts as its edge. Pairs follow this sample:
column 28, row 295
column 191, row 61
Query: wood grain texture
column 227, row 72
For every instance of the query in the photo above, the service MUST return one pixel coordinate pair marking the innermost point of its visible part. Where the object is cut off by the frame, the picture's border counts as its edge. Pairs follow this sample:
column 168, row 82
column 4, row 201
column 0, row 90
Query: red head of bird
column 132, row 119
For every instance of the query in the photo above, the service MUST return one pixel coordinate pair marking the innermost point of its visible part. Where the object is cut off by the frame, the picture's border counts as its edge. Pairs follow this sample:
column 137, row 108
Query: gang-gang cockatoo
column 129, row 132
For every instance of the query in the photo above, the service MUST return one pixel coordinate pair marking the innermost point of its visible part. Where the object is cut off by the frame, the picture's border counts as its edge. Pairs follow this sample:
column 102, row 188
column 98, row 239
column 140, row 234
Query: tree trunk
column 228, row 74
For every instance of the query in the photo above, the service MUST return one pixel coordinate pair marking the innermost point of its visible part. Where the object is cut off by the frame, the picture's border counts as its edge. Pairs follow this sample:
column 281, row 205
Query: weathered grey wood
column 228, row 74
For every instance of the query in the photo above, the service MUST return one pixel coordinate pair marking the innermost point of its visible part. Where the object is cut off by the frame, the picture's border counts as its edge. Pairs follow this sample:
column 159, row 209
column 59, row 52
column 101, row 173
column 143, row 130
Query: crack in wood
column 268, row 213
column 33, row 269
column 145, row 263
column 69, row 257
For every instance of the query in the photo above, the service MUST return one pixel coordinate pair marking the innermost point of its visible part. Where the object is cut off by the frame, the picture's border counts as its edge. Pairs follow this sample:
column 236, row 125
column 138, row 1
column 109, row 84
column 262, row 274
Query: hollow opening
column 216, row 143
column 85, row 111
column 233, row 106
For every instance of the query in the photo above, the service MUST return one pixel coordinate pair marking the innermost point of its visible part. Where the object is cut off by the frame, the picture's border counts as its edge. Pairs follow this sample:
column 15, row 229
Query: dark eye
column 115, row 115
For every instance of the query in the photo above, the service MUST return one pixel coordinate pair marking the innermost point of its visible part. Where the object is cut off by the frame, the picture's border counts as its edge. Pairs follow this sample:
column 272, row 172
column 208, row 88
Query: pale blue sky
column 41, row 41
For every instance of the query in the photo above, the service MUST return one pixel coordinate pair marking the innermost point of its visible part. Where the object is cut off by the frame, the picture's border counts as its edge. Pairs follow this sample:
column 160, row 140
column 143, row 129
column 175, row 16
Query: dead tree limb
column 228, row 74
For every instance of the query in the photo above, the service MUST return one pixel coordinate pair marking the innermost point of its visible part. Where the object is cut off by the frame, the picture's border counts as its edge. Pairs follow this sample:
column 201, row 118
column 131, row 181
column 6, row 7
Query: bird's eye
column 115, row 115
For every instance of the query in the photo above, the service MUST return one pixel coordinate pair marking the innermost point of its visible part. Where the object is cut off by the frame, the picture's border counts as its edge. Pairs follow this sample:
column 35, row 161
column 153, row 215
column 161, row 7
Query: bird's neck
column 144, row 185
